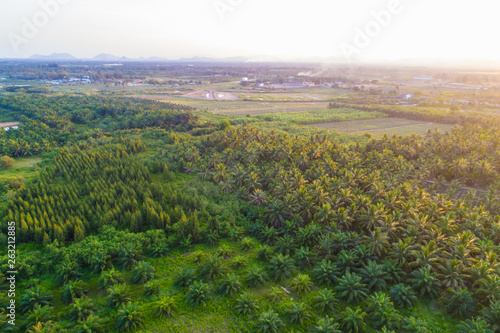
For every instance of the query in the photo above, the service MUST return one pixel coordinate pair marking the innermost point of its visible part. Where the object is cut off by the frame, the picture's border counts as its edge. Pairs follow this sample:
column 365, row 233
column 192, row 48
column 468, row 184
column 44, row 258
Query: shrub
column 6, row 162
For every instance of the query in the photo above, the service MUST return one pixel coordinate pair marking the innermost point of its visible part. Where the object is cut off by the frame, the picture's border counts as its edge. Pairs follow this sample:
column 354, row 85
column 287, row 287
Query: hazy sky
column 445, row 29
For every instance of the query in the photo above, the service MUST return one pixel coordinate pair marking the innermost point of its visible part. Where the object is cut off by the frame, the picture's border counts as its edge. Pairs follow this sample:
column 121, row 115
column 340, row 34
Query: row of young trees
column 80, row 191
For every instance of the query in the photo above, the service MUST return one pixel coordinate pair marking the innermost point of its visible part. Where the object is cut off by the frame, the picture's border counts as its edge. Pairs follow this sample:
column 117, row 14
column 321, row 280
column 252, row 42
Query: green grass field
column 321, row 116
column 381, row 126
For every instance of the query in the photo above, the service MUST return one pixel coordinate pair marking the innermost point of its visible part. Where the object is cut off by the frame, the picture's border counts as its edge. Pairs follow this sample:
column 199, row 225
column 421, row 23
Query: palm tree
column 73, row 290
column 276, row 212
column 424, row 282
column 325, row 300
column 403, row 295
column 394, row 271
column 152, row 288
column 109, row 278
column 276, row 294
column 118, row 295
column 81, row 309
column 304, row 258
column 380, row 309
column 269, row 235
column 460, row 303
column 374, row 276
column 224, row 251
column 402, row 251
column 269, row 322
column 33, row 297
column 246, row 244
column 264, row 253
column 211, row 268
column 229, row 285
column 129, row 317
column 256, row 276
column 353, row 320
column 281, row 267
column 351, row 288
column 299, row 312
column 412, row 324
column 38, row 314
column 198, row 293
column 452, row 274
column 301, row 284
column 165, row 307
column 68, row 270
column 476, row 325
column 239, row 262
column 143, row 273
column 99, row 261
column 246, row 304
column 326, row 325
column 92, row 324
column 129, row 257
column 491, row 314
column 185, row 277
column 258, row 197
column 489, row 288
column 47, row 327
column 326, row 273
column 285, row 245
column 377, row 242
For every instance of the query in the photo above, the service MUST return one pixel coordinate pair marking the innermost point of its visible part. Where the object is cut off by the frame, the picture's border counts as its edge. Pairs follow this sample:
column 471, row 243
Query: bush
column 6, row 162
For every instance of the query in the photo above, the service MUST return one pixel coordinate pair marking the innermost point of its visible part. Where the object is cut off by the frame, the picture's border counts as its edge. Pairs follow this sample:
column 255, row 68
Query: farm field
column 321, row 116
column 381, row 126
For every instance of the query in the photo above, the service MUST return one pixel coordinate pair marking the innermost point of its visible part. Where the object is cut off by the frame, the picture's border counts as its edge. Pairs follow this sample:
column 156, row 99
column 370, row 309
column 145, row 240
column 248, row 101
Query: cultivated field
column 322, row 116
column 382, row 126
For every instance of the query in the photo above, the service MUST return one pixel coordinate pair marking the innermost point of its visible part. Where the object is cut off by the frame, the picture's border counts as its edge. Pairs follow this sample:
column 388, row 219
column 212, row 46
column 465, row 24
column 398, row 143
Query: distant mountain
column 106, row 57
column 206, row 59
column 53, row 56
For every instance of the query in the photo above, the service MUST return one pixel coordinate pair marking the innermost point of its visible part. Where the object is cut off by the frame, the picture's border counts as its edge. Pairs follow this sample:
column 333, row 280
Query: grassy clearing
column 379, row 127
column 22, row 167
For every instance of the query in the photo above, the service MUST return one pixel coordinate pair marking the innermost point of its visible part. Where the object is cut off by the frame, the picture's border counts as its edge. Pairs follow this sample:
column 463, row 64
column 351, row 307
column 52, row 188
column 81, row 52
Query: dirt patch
column 13, row 123
column 211, row 95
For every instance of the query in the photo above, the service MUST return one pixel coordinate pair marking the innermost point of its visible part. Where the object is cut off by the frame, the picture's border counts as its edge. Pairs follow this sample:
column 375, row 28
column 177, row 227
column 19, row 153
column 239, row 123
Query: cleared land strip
column 382, row 125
